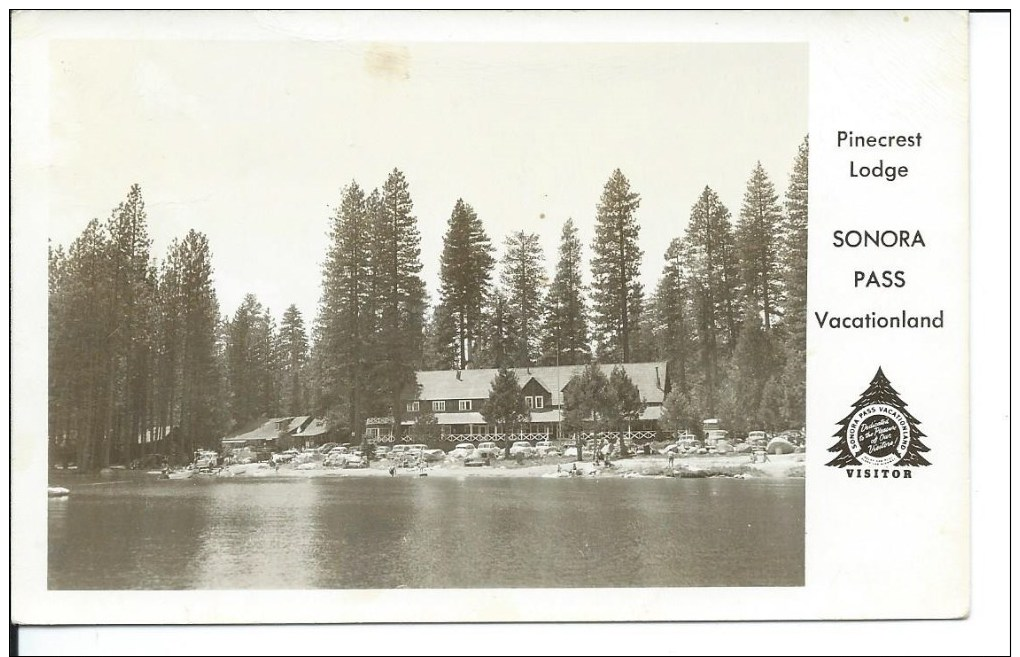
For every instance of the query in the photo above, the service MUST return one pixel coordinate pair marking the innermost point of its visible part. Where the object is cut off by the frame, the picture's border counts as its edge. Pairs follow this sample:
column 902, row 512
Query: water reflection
column 429, row 532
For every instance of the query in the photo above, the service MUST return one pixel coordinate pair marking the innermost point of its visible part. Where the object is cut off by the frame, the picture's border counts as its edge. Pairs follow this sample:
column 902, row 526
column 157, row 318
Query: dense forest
column 141, row 355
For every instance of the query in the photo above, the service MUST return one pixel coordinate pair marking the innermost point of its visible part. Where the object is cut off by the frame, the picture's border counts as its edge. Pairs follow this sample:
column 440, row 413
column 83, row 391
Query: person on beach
column 393, row 471
column 671, row 457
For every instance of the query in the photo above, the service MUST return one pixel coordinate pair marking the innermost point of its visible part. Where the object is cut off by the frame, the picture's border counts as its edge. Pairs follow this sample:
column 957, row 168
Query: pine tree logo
column 879, row 431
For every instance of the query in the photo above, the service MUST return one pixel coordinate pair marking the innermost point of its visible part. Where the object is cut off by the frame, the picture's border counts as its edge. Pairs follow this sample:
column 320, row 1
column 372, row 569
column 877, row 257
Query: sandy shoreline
column 645, row 466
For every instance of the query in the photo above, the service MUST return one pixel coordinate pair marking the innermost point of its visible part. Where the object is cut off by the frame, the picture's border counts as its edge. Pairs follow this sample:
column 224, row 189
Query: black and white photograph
column 403, row 316
column 426, row 315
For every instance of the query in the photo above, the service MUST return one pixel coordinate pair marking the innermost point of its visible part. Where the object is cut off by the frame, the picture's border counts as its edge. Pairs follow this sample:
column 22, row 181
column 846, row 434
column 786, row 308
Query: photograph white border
column 828, row 34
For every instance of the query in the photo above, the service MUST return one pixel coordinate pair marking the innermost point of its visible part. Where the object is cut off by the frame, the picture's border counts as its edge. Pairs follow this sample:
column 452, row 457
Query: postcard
column 489, row 316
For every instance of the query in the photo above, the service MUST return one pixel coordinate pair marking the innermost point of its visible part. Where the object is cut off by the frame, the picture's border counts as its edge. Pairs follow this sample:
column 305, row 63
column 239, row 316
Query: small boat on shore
column 58, row 491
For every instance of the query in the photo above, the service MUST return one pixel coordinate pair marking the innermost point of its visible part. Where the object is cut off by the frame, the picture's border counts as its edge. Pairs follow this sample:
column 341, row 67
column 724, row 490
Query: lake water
column 340, row 533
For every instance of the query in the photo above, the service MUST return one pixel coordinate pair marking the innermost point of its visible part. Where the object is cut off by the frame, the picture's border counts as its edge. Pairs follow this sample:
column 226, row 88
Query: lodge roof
column 270, row 429
column 650, row 379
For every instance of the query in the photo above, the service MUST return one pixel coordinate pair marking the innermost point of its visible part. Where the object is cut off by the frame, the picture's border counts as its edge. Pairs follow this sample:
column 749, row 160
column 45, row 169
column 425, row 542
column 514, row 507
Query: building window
column 439, row 405
column 464, row 404
column 539, row 401
column 413, row 407
column 529, row 402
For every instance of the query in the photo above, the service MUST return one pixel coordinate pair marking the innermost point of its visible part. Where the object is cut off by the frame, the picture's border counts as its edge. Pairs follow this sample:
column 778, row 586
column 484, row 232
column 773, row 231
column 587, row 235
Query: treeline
column 138, row 346
column 729, row 310
column 141, row 362
column 728, row 313
column 133, row 344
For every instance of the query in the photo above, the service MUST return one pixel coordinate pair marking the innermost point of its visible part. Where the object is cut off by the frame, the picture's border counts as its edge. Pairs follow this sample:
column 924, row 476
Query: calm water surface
column 339, row 533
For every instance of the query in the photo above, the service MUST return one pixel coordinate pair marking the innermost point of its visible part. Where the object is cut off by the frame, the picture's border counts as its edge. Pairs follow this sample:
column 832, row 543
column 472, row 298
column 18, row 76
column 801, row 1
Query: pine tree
column 496, row 346
column 465, row 274
column 758, row 245
column 505, row 406
column 344, row 323
column 710, row 281
column 440, row 353
column 565, row 324
column 194, row 310
column 794, row 250
column 794, row 265
column 585, row 398
column 879, row 391
column 396, row 346
column 624, row 404
column 81, row 345
column 247, row 357
column 129, row 345
column 292, row 356
column 671, row 310
column 680, row 412
column 523, row 280
column 755, row 360
column 426, row 427
column 132, row 346
column 616, row 292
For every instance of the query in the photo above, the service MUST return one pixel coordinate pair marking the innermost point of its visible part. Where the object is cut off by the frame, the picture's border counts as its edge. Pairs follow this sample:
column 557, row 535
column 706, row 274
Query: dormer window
column 439, row 405
column 464, row 405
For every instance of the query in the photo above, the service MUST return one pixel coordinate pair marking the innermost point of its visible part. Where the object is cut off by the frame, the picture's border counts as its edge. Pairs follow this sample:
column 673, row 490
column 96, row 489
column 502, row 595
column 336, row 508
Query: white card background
column 874, row 548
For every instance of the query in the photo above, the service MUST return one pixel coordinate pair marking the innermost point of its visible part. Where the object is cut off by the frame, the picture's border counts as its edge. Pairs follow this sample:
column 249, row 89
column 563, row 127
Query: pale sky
column 251, row 142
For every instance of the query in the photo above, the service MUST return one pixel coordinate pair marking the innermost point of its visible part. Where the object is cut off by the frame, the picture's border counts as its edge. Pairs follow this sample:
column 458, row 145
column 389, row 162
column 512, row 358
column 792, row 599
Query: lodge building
column 456, row 398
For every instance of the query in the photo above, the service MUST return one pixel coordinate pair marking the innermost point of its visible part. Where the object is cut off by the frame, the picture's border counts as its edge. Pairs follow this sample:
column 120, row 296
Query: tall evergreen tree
column 616, row 292
column 246, row 357
column 80, row 345
column 672, row 311
column 794, row 266
column 758, row 247
column 192, row 307
column 711, row 281
column 465, row 275
column 399, row 296
column 565, row 339
column 496, row 346
column 130, row 336
column 292, row 356
column 440, row 352
column 794, row 249
column 523, row 279
column 344, row 337
column 755, row 360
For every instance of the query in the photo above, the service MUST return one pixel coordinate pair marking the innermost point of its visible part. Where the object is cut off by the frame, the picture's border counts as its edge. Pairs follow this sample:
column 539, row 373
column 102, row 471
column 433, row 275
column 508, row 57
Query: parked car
column 206, row 459
column 462, row 450
column 327, row 448
column 522, row 448
column 381, row 451
column 546, row 448
column 286, row 456
column 757, row 439
column 354, row 460
column 489, row 449
column 335, row 459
